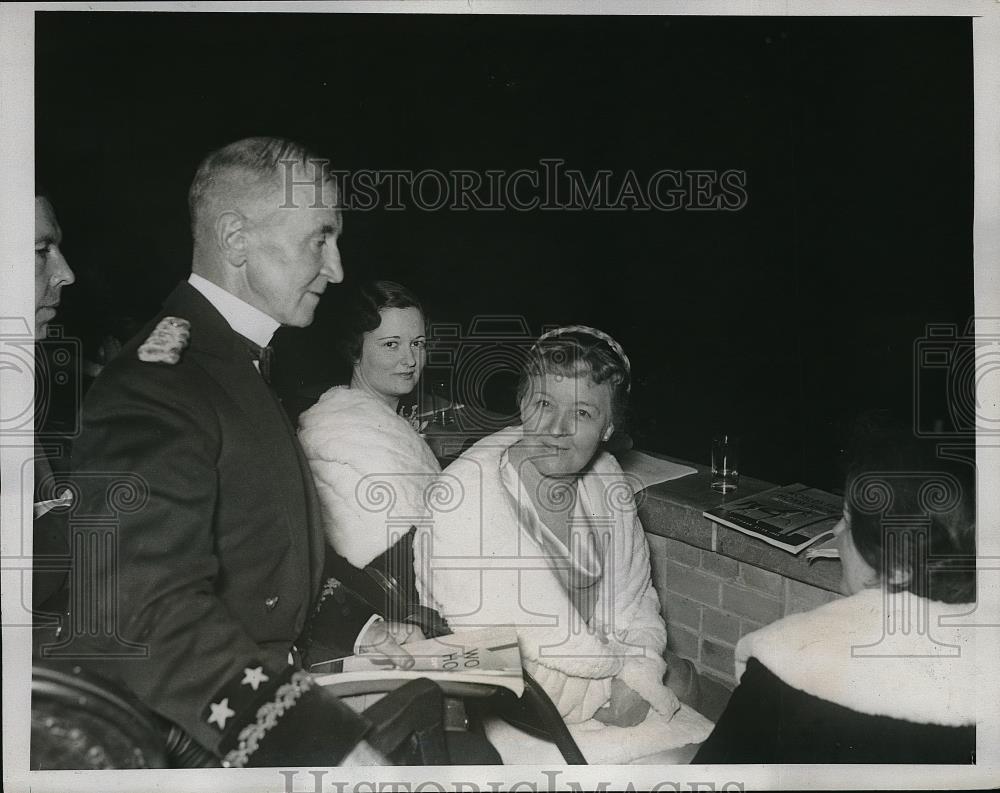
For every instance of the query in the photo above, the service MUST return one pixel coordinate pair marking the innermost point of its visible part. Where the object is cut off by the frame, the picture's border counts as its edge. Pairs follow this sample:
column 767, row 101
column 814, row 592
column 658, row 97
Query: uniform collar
column 243, row 318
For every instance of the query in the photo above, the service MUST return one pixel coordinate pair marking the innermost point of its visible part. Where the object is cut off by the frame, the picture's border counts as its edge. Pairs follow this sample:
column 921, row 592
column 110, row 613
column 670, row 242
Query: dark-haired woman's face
column 393, row 355
column 857, row 573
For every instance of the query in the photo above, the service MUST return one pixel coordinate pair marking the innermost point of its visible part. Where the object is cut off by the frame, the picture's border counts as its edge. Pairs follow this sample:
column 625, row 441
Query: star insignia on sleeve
column 221, row 712
column 254, row 677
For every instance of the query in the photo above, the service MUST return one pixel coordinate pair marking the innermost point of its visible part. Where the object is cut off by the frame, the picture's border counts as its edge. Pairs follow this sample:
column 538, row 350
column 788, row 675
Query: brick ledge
column 673, row 510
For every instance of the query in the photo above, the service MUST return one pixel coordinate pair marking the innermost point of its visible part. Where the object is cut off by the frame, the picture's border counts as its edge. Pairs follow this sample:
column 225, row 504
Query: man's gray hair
column 252, row 163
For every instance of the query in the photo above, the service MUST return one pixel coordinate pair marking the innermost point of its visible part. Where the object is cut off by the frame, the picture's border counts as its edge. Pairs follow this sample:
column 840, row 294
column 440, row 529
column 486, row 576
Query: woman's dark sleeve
column 747, row 730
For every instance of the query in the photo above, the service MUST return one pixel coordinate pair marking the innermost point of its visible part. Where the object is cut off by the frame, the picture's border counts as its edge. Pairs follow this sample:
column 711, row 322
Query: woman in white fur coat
column 542, row 533
column 371, row 468
column 892, row 673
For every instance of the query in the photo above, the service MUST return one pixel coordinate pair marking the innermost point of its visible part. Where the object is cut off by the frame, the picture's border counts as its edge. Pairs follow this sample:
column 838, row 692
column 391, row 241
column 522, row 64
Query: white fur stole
column 373, row 472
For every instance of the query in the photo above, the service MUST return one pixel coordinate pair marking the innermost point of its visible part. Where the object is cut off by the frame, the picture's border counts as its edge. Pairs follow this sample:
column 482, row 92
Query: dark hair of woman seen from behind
column 912, row 515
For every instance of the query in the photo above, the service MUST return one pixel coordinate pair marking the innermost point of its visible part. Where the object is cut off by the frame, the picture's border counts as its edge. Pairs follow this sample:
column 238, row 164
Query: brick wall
column 709, row 601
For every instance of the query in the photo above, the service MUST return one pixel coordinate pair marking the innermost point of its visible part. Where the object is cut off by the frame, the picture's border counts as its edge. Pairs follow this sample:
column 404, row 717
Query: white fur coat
column 373, row 473
column 478, row 567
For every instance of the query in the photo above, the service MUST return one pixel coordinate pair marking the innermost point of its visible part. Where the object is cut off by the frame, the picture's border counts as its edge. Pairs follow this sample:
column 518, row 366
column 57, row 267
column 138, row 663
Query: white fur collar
column 372, row 471
column 853, row 652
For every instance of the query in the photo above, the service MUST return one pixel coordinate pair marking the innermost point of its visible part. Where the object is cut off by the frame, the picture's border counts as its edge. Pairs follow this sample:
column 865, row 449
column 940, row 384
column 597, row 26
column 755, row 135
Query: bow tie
column 264, row 357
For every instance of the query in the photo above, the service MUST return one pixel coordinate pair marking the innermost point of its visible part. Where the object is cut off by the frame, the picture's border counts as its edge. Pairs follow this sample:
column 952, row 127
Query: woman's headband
column 586, row 330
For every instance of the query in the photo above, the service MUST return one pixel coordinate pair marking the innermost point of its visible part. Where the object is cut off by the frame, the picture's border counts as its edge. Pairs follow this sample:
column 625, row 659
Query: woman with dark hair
column 358, row 448
column 890, row 673
column 542, row 534
column 373, row 474
column 384, row 339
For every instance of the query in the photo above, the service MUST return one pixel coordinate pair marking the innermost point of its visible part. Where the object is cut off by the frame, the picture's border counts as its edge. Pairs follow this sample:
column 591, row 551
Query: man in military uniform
column 219, row 570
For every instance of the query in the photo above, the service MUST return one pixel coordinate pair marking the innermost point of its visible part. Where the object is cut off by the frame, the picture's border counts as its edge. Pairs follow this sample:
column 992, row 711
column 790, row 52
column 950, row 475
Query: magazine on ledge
column 461, row 663
column 792, row 517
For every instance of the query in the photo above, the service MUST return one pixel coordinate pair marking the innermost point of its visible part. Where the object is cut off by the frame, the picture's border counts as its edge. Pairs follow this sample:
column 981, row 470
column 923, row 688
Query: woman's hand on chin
column 625, row 708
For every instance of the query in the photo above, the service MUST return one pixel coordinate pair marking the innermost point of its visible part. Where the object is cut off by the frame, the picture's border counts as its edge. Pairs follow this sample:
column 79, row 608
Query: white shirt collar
column 245, row 319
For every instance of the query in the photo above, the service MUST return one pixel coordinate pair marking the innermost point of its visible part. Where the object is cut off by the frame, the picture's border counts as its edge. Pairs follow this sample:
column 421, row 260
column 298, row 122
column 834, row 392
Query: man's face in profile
column 52, row 271
column 293, row 253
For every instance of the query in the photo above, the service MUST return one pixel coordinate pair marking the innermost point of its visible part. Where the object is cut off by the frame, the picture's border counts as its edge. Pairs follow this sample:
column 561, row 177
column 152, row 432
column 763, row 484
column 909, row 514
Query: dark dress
column 768, row 721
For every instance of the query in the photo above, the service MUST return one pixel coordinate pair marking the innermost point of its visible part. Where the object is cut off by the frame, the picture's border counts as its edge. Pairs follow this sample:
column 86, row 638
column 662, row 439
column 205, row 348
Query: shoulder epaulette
column 166, row 342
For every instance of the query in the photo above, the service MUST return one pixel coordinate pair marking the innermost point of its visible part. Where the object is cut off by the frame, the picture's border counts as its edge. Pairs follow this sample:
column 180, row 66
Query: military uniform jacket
column 218, row 570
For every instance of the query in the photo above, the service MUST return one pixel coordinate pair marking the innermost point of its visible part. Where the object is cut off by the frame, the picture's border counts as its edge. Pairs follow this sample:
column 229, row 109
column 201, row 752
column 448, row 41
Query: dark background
column 783, row 322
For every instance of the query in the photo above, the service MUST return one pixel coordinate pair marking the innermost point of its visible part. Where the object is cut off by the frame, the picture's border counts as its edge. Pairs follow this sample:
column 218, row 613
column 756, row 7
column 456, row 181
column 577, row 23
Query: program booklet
column 461, row 663
column 790, row 517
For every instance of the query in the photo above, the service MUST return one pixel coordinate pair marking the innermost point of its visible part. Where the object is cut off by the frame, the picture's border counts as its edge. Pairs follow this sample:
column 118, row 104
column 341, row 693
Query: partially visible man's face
column 52, row 272
column 293, row 252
